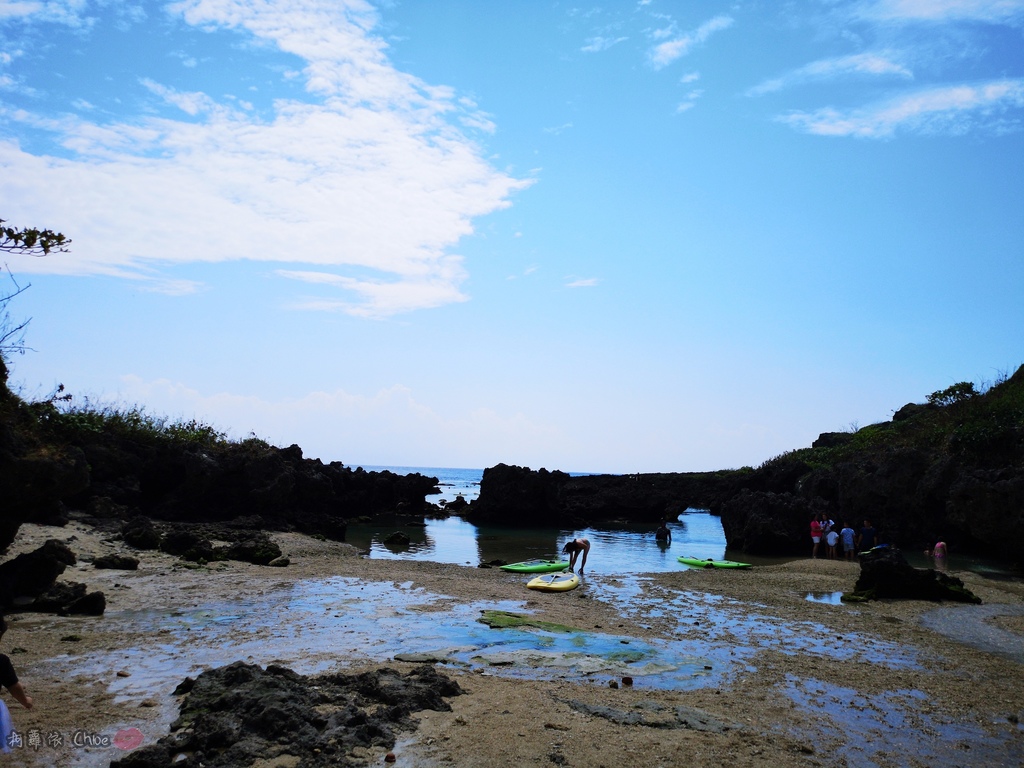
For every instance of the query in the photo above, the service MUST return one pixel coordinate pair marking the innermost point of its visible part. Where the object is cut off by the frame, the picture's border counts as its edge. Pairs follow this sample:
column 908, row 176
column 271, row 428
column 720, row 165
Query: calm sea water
column 452, row 481
column 614, row 548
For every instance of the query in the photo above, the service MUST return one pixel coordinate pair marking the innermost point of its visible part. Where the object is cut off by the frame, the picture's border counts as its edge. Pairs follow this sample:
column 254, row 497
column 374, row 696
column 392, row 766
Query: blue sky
column 619, row 237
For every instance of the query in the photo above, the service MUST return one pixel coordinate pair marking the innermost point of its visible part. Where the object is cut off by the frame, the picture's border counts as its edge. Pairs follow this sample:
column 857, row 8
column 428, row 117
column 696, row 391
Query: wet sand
column 770, row 677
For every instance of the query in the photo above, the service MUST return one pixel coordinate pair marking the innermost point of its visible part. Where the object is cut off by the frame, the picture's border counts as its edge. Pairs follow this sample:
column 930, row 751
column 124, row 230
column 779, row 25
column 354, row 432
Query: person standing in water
column 664, row 533
column 573, row 549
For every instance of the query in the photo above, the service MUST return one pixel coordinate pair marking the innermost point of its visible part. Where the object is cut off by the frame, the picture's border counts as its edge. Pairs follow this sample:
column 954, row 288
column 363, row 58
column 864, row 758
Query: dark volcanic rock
column 765, row 523
column 519, row 496
column 240, row 713
column 68, row 598
column 188, row 544
column 117, row 562
column 397, row 540
column 512, row 495
column 139, row 532
column 885, row 573
column 31, row 574
column 251, row 547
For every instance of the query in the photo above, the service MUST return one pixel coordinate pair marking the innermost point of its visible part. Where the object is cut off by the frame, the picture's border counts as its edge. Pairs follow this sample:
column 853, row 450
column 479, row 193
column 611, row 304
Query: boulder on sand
column 885, row 573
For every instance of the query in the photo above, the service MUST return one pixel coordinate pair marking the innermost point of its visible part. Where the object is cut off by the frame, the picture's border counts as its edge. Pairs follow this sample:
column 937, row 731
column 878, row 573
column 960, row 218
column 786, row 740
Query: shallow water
column 888, row 729
column 615, row 549
column 829, row 598
column 315, row 625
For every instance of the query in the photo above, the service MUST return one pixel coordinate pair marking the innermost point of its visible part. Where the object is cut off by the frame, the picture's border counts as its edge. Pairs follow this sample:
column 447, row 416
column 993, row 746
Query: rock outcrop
column 241, row 715
column 28, row 582
column 885, row 573
column 121, row 467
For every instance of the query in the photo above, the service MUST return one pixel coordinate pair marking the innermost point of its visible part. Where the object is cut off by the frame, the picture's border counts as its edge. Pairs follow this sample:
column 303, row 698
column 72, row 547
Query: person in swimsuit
column 573, row 549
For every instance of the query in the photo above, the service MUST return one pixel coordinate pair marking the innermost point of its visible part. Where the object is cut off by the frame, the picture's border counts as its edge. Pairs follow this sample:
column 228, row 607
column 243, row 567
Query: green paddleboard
column 696, row 562
column 536, row 566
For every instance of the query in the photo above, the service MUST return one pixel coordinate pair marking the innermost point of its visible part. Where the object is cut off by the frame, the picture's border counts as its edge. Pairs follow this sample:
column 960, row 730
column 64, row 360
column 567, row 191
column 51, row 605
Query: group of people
column 824, row 529
column 9, row 680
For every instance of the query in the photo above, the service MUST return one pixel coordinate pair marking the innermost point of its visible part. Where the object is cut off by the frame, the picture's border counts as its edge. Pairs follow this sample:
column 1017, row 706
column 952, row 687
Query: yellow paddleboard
column 554, row 582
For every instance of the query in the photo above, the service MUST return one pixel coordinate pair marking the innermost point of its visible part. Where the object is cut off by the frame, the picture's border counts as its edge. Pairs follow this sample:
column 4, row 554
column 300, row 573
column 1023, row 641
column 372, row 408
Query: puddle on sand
column 318, row 625
column 891, row 729
column 829, row 598
column 730, row 632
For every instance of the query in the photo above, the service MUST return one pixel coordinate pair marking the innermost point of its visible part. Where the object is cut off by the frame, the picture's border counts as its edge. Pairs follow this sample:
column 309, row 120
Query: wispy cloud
column 860, row 64
column 598, row 44
column 691, row 100
column 558, row 129
column 994, row 11
column 375, row 173
column 945, row 110
column 582, row 282
column 678, row 46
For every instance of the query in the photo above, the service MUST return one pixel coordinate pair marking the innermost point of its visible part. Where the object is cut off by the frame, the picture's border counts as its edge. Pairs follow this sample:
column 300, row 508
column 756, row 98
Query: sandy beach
column 744, row 668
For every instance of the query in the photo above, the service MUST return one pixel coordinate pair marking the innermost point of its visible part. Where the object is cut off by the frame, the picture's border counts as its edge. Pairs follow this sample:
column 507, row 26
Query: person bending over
column 573, row 549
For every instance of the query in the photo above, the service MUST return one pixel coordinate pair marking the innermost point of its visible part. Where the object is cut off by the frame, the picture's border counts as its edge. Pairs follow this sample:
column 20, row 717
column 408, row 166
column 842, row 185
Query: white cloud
column 70, row 12
column 583, row 282
column 372, row 173
column 947, row 109
column 993, row 11
column 665, row 53
column 598, row 44
column 873, row 64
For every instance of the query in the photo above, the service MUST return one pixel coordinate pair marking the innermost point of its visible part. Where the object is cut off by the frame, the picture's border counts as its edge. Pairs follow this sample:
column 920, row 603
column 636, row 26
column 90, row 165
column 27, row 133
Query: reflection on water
column 615, row 549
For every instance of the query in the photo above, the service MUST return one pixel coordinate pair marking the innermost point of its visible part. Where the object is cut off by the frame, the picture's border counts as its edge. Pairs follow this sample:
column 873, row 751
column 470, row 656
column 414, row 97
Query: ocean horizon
column 453, row 481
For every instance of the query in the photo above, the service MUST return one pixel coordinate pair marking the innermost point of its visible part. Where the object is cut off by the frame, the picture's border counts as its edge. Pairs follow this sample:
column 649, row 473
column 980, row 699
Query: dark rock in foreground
column 884, row 573
column 238, row 714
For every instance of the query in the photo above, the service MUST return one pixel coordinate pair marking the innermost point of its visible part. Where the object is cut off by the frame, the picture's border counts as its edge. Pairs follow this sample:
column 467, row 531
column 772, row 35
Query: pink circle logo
column 128, row 738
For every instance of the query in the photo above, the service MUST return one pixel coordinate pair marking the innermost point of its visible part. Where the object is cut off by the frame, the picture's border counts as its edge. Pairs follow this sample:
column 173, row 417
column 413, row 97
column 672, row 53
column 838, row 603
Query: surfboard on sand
column 554, row 582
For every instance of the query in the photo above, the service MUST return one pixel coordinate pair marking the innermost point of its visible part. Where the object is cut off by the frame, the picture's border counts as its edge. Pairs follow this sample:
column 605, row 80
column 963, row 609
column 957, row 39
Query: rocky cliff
column 119, row 466
column 952, row 468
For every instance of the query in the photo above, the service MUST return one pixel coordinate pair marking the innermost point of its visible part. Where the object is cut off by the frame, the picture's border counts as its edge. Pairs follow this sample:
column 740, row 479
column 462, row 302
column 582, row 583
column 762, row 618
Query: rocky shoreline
column 791, row 681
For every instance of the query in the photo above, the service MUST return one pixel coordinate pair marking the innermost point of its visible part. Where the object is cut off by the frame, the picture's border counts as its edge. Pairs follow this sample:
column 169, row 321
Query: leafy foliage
column 954, row 395
column 69, row 423
column 32, row 241
column 975, row 426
